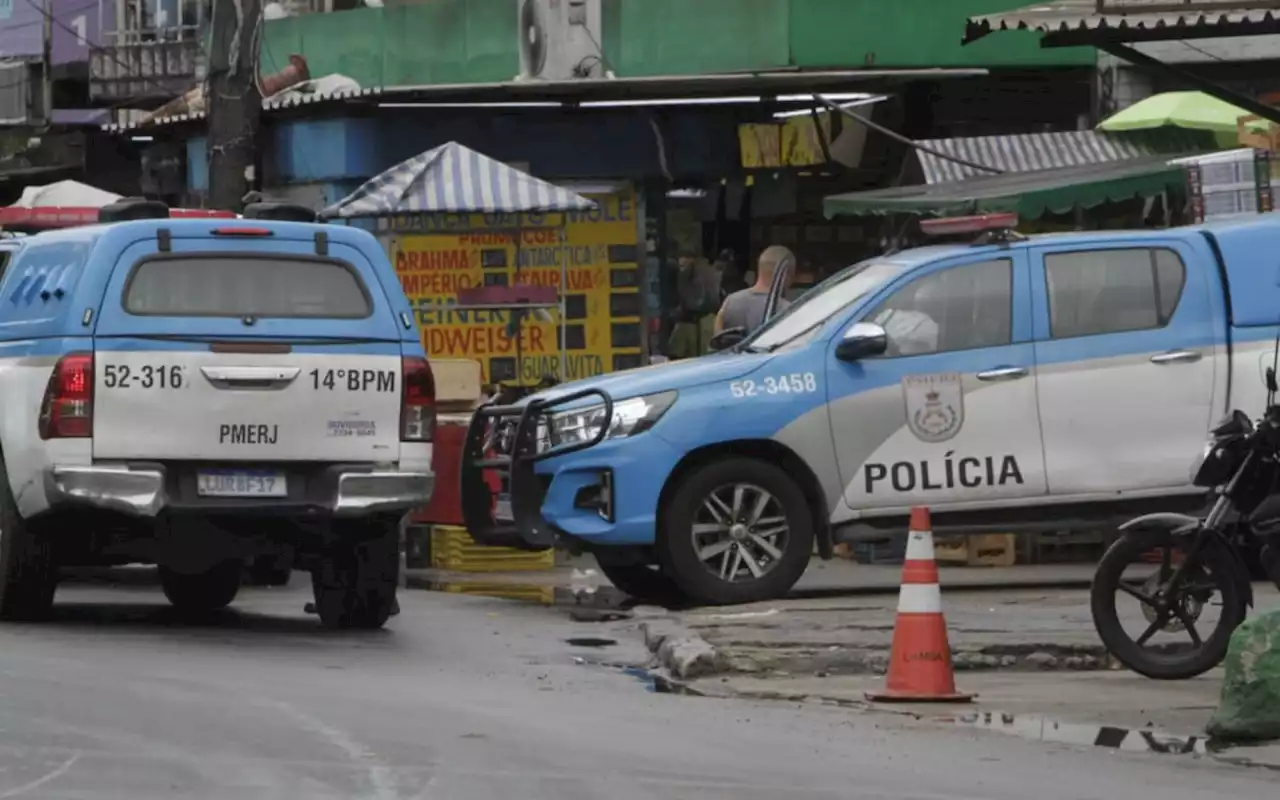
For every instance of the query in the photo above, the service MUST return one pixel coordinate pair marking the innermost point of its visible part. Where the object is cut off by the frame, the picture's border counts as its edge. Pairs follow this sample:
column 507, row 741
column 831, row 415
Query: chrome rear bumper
column 145, row 491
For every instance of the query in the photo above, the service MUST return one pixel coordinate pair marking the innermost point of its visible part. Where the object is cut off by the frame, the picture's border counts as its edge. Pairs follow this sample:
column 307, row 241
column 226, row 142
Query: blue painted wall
column 582, row 145
column 307, row 151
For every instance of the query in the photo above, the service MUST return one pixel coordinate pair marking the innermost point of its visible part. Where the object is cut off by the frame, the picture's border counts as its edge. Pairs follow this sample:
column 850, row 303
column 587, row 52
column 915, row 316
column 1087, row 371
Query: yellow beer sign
column 436, row 257
column 794, row 142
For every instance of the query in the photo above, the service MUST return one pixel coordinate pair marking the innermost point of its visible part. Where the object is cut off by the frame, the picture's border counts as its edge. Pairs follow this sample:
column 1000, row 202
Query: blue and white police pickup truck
column 1011, row 384
column 196, row 393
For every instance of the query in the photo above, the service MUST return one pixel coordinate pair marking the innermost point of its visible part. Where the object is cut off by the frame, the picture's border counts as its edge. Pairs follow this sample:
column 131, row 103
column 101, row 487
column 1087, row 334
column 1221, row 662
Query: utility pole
column 233, row 100
column 46, row 86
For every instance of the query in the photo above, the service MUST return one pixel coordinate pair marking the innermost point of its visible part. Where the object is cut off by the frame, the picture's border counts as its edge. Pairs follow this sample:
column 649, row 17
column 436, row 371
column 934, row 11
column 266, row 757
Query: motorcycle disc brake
column 1192, row 605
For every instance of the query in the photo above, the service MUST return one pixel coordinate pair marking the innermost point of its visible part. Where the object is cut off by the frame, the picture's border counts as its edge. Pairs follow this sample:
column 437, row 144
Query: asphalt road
column 468, row 698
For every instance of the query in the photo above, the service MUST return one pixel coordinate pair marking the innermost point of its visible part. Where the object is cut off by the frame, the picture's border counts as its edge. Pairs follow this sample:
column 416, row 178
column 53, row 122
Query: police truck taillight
column 418, row 401
column 67, row 410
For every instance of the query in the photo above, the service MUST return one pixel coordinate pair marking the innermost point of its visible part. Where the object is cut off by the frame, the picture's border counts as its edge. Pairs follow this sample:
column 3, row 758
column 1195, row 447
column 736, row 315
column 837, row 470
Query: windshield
column 819, row 304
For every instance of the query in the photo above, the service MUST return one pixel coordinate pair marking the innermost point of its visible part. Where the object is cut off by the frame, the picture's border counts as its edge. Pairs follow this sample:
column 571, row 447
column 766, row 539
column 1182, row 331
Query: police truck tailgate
column 234, row 348
column 199, row 404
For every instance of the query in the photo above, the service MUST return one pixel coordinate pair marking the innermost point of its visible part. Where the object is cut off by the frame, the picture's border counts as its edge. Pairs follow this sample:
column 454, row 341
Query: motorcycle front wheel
column 1212, row 580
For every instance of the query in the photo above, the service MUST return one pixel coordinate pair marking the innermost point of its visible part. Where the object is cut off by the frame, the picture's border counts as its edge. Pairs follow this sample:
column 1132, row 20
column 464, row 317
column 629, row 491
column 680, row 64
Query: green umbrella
column 1195, row 111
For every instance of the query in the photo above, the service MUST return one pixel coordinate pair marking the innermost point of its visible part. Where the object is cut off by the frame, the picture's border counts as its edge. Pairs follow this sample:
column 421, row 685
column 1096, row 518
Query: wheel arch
column 769, row 451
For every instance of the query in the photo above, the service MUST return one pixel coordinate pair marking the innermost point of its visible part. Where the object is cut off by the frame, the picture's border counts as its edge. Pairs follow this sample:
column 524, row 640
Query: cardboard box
column 951, row 549
column 457, row 381
column 993, row 550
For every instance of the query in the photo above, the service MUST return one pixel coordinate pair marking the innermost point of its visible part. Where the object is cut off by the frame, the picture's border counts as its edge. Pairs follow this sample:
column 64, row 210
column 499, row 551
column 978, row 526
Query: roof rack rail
column 129, row 208
column 280, row 212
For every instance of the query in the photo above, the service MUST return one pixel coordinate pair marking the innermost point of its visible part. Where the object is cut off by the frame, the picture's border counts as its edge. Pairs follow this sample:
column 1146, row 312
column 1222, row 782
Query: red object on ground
column 920, row 668
column 71, row 216
column 445, row 507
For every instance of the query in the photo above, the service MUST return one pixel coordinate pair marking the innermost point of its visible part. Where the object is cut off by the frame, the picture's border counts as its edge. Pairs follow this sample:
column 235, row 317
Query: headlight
column 631, row 416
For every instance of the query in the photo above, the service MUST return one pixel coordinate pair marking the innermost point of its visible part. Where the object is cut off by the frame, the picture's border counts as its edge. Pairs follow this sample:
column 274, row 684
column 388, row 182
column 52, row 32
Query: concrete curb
column 678, row 650
column 686, row 655
column 821, row 661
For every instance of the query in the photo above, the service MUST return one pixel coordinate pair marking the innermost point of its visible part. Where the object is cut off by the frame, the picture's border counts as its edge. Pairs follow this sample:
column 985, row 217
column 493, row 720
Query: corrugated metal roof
column 1028, row 152
column 291, row 101
column 1082, row 15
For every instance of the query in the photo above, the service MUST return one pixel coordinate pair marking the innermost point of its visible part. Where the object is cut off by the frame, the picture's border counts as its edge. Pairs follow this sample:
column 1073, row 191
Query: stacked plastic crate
column 1231, row 183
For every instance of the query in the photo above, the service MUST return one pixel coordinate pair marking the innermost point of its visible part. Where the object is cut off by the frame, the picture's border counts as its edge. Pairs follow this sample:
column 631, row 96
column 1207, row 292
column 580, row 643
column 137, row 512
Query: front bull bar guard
column 527, row 529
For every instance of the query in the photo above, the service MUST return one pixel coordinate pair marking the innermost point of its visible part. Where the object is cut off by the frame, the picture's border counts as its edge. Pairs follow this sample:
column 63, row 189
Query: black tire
column 355, row 583
column 1127, row 550
column 202, row 592
column 28, row 574
column 676, row 549
column 643, row 582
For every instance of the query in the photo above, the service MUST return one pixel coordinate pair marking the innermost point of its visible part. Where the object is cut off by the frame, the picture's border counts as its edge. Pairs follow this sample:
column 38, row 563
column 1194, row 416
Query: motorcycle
column 1240, row 465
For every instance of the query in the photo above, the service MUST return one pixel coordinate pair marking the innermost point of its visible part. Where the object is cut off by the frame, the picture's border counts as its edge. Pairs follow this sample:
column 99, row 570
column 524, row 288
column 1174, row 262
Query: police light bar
column 949, row 226
column 70, row 216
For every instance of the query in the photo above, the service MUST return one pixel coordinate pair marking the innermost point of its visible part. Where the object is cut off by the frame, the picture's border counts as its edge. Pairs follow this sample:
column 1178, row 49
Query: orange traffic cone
column 920, row 662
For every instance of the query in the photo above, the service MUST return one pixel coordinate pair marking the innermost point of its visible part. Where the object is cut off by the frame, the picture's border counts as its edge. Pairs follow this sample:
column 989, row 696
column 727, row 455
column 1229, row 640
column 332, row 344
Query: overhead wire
column 909, row 142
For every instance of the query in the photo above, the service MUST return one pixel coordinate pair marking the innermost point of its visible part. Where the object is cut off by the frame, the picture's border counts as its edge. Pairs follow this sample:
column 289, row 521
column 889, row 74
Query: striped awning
column 1030, row 195
column 1132, row 20
column 1029, row 152
column 454, row 179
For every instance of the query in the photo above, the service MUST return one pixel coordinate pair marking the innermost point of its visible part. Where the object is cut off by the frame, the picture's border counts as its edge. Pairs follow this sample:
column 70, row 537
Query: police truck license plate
column 241, row 483
column 502, row 509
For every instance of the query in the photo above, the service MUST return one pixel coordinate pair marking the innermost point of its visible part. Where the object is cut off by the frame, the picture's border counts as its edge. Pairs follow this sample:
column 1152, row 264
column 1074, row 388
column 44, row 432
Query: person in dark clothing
column 745, row 308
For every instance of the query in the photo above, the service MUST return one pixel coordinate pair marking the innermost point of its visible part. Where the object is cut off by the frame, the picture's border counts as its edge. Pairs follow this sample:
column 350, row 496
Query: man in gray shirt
column 745, row 309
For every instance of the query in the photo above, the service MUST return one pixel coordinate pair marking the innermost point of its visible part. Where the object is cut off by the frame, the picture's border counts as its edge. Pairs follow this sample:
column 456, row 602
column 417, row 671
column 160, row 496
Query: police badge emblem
column 935, row 405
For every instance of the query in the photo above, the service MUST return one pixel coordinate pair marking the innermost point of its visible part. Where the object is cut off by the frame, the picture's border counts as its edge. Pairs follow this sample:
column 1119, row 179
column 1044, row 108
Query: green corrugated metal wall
column 913, row 33
column 463, row 41
column 446, row 41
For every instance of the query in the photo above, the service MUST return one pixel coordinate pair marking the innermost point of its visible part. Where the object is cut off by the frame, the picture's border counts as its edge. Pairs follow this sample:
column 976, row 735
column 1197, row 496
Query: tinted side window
column 955, row 309
column 1112, row 291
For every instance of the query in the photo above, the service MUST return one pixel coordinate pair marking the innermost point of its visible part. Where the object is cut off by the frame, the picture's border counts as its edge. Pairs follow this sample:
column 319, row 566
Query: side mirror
column 726, row 338
column 862, row 340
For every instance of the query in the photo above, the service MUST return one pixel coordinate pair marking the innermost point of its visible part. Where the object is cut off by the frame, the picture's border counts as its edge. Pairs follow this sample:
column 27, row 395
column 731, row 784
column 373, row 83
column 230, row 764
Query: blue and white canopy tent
column 454, row 179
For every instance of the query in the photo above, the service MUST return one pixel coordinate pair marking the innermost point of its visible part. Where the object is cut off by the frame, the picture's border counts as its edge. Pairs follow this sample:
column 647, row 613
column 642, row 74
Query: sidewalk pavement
column 835, row 577
column 1031, row 655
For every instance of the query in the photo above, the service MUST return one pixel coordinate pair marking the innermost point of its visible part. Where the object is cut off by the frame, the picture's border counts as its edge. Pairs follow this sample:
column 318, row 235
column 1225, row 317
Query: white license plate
column 502, row 509
column 241, row 483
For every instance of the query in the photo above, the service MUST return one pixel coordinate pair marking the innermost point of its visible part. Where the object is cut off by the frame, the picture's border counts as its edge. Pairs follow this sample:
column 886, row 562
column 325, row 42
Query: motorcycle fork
column 1202, row 535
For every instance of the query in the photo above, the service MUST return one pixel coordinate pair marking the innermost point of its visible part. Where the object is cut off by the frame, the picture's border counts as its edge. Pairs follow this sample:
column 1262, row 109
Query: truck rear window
column 246, row 286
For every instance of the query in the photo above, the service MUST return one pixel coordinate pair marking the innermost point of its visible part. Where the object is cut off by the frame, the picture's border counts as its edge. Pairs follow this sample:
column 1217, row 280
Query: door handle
column 1003, row 374
column 1177, row 357
column 262, row 378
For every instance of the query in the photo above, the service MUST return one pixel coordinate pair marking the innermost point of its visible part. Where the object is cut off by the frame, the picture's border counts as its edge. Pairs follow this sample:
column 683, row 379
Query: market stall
column 448, row 184
column 453, row 180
